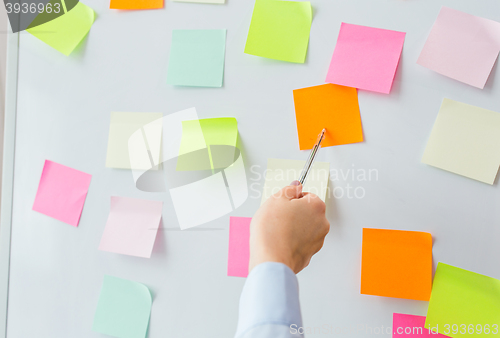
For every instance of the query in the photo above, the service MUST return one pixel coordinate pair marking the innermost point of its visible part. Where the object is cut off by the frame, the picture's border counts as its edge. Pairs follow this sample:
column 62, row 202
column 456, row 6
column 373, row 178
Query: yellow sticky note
column 208, row 144
column 280, row 173
column 67, row 31
column 122, row 127
column 466, row 141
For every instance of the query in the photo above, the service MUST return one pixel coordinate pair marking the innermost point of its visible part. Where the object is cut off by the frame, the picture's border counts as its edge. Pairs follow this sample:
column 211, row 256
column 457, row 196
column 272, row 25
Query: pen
column 312, row 157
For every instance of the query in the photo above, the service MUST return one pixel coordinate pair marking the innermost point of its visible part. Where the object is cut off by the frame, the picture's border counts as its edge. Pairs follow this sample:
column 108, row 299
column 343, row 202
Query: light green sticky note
column 280, row 173
column 465, row 140
column 123, row 309
column 123, row 125
column 208, row 144
column 67, row 31
column 463, row 303
column 280, row 30
column 197, row 58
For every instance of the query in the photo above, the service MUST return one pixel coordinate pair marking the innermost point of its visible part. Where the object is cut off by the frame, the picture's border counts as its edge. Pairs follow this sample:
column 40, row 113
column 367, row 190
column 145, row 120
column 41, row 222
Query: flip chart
column 197, row 58
column 67, row 31
column 411, row 326
column 239, row 246
column 462, row 46
column 132, row 226
column 123, row 125
column 327, row 106
column 366, row 58
column 280, row 173
column 463, row 303
column 136, row 4
column 280, row 30
column 123, row 308
column 62, row 192
column 465, row 140
column 397, row 264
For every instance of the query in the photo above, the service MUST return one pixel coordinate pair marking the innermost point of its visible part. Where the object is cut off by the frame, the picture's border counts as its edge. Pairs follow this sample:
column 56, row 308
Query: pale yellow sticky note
column 465, row 140
column 203, row 1
column 281, row 173
column 122, row 127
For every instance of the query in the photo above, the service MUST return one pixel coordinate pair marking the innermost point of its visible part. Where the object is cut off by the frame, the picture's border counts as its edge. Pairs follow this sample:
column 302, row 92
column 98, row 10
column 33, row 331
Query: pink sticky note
column 411, row 326
column 366, row 58
column 62, row 192
column 132, row 226
column 239, row 246
column 462, row 46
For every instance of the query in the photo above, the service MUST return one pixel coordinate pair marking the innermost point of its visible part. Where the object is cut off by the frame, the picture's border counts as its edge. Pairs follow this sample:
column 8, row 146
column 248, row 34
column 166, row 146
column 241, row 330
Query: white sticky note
column 465, row 140
column 281, row 173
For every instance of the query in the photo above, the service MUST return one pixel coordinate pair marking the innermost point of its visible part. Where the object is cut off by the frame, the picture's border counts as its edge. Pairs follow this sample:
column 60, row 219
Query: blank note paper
column 462, row 46
column 239, row 246
column 62, row 192
column 136, row 4
column 123, row 308
column 465, row 140
column 67, row 31
column 411, row 326
column 327, row 106
column 280, row 30
column 366, row 58
column 132, row 226
column 396, row 264
column 464, row 297
column 122, row 127
column 280, row 173
column 197, row 58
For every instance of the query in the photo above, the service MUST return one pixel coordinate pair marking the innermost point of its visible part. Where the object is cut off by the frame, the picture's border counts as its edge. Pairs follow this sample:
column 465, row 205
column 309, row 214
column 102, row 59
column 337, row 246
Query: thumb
column 293, row 191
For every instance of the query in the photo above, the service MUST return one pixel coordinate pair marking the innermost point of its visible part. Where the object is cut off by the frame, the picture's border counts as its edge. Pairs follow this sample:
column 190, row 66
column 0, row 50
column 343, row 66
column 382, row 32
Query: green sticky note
column 280, row 30
column 208, row 144
column 197, row 58
column 67, row 31
column 463, row 303
column 123, row 309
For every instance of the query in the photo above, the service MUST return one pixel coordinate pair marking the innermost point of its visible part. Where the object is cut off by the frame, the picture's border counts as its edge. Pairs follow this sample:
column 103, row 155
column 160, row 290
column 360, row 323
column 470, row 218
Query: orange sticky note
column 327, row 106
column 397, row 264
column 136, row 4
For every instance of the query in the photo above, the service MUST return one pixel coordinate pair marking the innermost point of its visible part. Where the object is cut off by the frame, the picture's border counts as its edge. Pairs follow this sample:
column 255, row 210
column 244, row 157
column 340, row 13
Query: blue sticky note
column 123, row 309
column 197, row 58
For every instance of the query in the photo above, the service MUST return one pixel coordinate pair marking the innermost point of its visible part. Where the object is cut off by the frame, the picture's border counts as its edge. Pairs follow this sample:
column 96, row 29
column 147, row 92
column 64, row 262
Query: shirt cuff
column 270, row 296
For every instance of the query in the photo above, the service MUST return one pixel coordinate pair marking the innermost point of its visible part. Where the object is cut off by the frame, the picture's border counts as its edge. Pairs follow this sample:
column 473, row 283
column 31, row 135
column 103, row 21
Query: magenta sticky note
column 239, row 246
column 462, row 46
column 132, row 226
column 62, row 192
column 366, row 58
column 411, row 326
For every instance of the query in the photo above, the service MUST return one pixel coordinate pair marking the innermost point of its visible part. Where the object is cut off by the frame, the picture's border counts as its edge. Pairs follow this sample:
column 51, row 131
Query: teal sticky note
column 123, row 309
column 197, row 58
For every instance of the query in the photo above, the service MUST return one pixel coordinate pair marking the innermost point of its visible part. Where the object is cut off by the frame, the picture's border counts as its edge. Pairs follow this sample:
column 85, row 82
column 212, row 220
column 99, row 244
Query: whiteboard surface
column 64, row 106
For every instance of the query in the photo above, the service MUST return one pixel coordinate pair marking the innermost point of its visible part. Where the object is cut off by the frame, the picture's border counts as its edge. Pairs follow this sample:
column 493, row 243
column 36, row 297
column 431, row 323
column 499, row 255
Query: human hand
column 288, row 228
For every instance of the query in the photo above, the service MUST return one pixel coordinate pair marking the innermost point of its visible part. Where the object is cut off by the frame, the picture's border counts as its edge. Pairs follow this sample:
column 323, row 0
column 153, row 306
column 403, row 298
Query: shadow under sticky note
column 411, row 326
column 280, row 30
column 327, row 106
column 197, row 58
column 397, row 264
column 462, row 46
column 132, row 226
column 123, row 309
column 280, row 173
column 465, row 140
column 463, row 297
column 67, row 31
column 239, row 246
column 366, row 58
column 61, row 193
column 136, row 4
